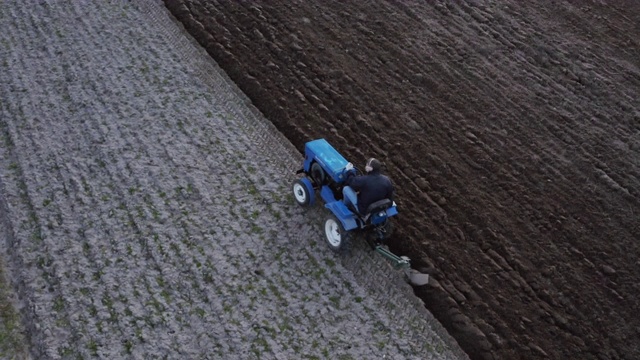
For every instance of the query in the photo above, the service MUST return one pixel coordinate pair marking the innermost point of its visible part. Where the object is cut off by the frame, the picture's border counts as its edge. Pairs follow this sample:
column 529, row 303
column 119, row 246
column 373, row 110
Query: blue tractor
column 325, row 171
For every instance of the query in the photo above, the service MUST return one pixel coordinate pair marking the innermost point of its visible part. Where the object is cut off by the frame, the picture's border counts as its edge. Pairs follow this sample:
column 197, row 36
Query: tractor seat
column 379, row 205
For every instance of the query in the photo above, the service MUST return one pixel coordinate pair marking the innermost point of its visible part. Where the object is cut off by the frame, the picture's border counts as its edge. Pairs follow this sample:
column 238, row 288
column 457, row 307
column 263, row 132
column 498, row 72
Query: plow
column 324, row 172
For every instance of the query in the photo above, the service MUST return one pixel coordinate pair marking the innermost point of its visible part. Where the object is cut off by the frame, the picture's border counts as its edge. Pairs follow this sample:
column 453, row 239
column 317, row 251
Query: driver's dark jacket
column 371, row 188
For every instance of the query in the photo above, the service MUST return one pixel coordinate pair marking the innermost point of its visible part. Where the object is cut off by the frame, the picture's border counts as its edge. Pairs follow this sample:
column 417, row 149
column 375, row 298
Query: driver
column 362, row 191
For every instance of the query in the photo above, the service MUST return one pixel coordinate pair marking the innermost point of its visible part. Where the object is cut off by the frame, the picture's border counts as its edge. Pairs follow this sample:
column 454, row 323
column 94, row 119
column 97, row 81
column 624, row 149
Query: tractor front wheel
column 335, row 234
column 301, row 193
column 318, row 174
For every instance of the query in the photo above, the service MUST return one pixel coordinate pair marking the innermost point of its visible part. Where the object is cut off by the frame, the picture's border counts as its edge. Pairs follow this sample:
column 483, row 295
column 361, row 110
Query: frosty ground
column 145, row 208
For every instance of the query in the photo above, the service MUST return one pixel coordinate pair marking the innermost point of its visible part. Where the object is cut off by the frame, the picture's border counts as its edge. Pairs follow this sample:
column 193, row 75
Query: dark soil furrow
column 513, row 126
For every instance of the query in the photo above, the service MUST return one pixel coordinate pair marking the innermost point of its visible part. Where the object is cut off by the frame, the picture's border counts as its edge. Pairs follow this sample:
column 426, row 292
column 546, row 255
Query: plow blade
column 414, row 277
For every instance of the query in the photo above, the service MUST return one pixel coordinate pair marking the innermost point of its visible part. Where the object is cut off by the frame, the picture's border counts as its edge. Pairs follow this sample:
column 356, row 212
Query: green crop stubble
column 12, row 342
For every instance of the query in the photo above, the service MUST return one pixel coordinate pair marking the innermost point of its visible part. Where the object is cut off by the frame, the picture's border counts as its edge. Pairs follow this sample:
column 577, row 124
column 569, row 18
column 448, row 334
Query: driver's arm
column 356, row 182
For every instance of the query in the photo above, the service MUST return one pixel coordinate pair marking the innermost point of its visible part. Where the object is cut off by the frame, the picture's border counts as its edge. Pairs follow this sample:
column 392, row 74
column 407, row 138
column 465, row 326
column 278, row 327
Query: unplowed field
column 146, row 209
column 510, row 128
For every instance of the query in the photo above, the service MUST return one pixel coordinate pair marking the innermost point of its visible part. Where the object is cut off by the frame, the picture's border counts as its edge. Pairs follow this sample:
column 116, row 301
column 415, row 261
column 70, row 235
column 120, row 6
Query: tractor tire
column 318, row 174
column 301, row 193
column 338, row 239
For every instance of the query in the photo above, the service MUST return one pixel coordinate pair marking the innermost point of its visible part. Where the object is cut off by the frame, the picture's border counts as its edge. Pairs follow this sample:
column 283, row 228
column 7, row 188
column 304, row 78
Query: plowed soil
column 511, row 130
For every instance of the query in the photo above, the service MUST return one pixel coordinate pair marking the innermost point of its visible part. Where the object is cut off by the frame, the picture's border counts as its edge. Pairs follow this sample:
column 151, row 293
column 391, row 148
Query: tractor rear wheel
column 336, row 236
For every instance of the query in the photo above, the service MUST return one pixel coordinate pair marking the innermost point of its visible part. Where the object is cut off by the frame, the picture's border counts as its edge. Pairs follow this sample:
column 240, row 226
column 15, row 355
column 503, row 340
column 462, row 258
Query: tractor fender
column 393, row 210
column 346, row 217
column 327, row 194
